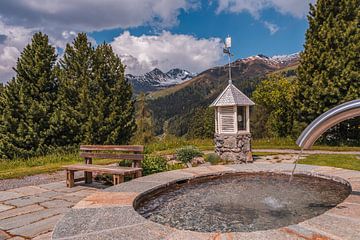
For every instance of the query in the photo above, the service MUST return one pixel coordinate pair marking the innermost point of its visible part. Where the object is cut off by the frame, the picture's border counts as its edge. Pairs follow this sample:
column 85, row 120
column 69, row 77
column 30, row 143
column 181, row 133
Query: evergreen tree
column 274, row 97
column 144, row 122
column 329, row 71
column 202, row 124
column 75, row 73
column 27, row 102
column 111, row 116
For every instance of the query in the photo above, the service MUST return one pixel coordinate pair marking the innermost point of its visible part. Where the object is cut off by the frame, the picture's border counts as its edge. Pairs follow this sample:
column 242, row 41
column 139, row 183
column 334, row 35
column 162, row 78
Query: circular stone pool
column 241, row 202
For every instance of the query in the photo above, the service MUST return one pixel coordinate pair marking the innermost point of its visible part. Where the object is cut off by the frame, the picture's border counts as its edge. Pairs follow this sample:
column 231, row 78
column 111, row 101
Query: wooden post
column 70, row 178
column 138, row 174
column 117, row 179
column 247, row 118
column 88, row 175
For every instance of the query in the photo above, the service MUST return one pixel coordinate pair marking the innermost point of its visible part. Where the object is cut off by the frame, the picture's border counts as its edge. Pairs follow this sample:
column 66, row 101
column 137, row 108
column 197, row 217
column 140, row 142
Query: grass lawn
column 287, row 143
column 170, row 144
column 53, row 162
column 46, row 164
column 333, row 160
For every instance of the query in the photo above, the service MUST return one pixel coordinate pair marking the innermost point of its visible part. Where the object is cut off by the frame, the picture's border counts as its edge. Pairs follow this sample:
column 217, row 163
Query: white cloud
column 13, row 40
column 92, row 15
column 166, row 51
column 296, row 8
column 273, row 28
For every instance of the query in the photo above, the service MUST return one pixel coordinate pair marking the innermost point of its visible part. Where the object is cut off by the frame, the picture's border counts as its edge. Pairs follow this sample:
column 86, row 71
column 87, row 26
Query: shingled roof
column 232, row 96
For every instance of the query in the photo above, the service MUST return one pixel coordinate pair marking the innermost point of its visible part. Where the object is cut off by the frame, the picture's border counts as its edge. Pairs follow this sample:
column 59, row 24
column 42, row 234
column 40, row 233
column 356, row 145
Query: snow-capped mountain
column 156, row 79
column 276, row 61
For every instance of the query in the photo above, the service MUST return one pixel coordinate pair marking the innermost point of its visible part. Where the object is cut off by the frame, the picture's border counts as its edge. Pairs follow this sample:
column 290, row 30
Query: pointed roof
column 232, row 96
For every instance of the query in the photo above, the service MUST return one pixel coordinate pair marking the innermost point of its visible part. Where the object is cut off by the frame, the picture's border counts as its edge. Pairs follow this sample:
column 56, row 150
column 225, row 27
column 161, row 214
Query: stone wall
column 235, row 148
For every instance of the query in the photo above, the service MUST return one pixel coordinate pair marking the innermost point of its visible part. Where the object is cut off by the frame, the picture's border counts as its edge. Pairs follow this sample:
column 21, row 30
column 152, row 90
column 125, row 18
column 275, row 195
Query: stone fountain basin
column 110, row 214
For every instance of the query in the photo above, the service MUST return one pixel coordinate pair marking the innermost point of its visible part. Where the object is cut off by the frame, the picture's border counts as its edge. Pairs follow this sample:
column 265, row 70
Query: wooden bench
column 88, row 152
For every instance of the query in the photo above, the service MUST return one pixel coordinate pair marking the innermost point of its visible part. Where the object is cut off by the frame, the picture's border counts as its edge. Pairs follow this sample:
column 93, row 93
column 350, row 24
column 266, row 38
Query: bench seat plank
column 134, row 157
column 102, row 169
column 126, row 148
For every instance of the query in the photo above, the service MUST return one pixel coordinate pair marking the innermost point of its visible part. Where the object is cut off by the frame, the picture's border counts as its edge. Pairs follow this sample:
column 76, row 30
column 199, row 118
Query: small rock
column 173, row 162
column 170, row 157
column 197, row 160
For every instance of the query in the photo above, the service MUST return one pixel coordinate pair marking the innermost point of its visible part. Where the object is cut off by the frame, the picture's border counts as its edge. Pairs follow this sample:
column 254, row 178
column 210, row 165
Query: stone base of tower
column 234, row 148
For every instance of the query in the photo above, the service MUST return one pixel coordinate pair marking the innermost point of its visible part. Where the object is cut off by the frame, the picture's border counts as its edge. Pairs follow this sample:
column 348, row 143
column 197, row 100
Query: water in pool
column 242, row 203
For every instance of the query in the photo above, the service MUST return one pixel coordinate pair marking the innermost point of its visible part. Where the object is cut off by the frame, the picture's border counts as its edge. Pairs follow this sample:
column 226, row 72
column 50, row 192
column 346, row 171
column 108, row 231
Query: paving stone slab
column 27, row 200
column 134, row 186
column 45, row 236
column 4, row 207
column 136, row 231
column 37, row 228
column 49, row 194
column 54, row 185
column 297, row 230
column 29, row 190
column 69, row 198
column 180, row 235
column 57, row 203
column 22, row 220
column 20, row 211
column 4, row 235
column 92, row 220
column 340, row 227
column 353, row 198
column 261, row 235
column 166, row 177
column 7, row 195
column 346, row 210
column 108, row 199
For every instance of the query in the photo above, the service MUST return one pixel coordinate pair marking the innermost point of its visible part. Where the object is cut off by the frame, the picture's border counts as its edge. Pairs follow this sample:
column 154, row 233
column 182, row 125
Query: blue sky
column 157, row 33
column 250, row 36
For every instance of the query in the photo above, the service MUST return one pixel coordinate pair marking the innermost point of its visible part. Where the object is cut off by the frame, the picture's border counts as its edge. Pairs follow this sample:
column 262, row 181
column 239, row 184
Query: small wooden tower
column 232, row 121
column 232, row 125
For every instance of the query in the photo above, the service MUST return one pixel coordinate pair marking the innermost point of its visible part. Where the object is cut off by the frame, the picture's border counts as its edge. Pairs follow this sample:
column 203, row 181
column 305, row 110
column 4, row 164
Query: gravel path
column 38, row 179
column 292, row 151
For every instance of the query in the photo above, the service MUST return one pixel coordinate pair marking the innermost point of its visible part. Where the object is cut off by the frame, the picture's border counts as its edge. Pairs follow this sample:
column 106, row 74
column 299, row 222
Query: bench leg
column 88, row 177
column 70, row 178
column 138, row 174
column 117, row 179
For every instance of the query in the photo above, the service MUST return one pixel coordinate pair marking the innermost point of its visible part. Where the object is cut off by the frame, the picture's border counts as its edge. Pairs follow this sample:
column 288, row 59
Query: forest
column 82, row 97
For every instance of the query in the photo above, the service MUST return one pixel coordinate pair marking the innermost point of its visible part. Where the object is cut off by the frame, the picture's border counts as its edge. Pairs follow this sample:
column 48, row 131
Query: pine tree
column 144, row 122
column 111, row 120
column 27, row 102
column 75, row 73
column 329, row 71
column 202, row 123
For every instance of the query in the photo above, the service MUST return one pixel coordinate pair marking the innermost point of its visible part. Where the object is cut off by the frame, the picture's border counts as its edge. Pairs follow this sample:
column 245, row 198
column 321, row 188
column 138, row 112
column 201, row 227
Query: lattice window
column 227, row 119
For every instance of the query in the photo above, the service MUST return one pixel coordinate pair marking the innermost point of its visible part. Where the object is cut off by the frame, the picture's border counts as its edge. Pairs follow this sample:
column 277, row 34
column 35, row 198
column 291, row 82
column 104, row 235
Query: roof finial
column 226, row 50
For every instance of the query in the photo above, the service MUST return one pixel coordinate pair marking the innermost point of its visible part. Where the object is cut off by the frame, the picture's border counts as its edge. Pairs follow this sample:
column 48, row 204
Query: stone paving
column 111, row 215
column 31, row 212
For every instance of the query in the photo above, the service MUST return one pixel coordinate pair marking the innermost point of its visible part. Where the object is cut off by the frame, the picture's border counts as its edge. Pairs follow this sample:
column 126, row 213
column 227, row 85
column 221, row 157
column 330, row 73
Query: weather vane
column 226, row 50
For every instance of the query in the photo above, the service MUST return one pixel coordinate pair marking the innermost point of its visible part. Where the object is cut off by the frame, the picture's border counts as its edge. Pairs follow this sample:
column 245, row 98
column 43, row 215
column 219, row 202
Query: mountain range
column 156, row 79
column 174, row 107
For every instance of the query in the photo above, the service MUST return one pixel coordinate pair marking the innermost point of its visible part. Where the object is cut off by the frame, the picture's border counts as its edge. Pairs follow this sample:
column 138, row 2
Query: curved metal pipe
column 327, row 120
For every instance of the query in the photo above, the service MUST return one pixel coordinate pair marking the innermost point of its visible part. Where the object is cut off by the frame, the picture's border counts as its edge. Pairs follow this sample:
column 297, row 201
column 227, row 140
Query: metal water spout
column 322, row 123
column 327, row 120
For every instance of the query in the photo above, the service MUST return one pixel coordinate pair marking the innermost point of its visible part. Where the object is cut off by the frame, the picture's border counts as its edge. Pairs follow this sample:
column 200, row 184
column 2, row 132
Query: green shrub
column 212, row 158
column 153, row 164
column 185, row 154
